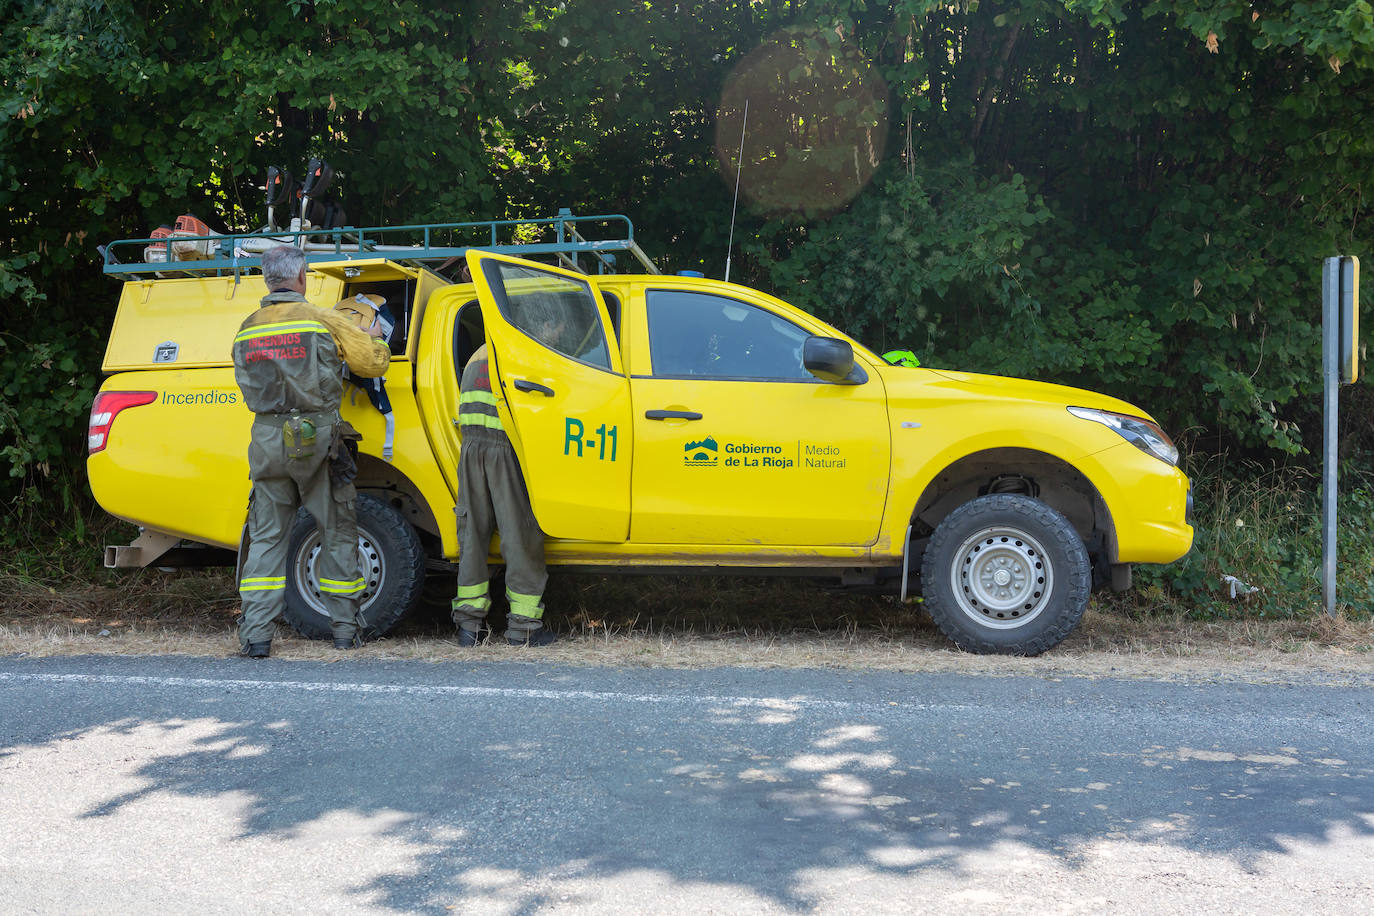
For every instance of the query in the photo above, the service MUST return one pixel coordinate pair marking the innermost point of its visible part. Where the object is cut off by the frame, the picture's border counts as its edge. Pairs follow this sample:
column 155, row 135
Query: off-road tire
column 1006, row 574
column 391, row 559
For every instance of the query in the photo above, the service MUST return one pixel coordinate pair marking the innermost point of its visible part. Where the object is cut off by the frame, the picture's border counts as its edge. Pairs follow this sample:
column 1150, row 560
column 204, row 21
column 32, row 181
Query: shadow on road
column 516, row 787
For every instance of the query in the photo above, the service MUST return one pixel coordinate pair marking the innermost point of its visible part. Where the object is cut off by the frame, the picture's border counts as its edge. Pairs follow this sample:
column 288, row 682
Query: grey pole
column 1331, row 291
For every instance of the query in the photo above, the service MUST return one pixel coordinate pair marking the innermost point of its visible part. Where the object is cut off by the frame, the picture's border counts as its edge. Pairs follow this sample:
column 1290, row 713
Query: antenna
column 739, row 170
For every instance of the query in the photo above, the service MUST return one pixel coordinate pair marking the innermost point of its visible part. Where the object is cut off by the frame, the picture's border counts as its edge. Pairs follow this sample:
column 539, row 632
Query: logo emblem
column 700, row 454
column 166, row 352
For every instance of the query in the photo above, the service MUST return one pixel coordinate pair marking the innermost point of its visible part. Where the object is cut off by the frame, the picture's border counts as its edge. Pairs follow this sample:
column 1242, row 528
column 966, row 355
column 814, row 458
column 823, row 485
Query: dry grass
column 690, row 623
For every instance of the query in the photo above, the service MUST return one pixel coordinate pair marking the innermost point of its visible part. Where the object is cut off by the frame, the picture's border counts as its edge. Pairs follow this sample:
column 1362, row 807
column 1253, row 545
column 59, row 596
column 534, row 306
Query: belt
column 325, row 418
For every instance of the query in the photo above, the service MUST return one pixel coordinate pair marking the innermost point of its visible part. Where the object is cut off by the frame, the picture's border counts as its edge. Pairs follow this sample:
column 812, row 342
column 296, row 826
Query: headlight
column 1138, row 431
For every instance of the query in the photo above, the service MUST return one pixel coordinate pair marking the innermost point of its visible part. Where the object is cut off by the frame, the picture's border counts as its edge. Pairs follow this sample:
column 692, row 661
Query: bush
column 45, row 396
column 928, row 259
column 1263, row 527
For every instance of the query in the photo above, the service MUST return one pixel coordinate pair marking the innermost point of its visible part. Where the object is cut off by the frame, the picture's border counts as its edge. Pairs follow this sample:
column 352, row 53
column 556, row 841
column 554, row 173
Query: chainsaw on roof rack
column 307, row 204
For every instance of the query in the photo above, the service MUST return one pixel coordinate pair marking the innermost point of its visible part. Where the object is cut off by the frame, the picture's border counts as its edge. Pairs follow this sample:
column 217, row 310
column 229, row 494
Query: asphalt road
column 162, row 785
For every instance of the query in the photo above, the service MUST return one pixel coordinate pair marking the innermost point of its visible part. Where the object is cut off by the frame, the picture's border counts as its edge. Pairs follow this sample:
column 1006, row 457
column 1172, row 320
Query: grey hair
column 281, row 264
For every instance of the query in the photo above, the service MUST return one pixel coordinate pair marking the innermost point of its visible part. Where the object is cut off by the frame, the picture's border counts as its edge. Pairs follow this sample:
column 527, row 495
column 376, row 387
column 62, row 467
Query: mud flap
column 906, row 561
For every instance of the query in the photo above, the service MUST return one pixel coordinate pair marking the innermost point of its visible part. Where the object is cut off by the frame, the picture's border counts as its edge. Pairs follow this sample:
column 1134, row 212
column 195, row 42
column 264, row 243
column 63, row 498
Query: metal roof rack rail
column 574, row 241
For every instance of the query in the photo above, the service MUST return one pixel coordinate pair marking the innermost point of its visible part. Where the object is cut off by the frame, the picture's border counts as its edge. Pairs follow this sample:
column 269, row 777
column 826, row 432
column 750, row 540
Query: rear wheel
column 390, row 559
column 1006, row 574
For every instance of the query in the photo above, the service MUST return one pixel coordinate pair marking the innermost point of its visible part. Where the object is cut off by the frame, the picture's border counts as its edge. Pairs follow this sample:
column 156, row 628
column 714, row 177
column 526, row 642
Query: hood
column 955, row 384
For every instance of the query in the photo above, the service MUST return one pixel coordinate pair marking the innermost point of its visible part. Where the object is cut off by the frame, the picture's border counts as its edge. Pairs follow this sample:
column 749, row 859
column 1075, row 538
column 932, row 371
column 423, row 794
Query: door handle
column 526, row 385
column 671, row 415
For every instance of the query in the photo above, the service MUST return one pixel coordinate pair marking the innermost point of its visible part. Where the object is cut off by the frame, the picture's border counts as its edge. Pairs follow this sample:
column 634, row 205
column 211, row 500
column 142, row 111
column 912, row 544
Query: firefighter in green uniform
column 288, row 360
column 492, row 496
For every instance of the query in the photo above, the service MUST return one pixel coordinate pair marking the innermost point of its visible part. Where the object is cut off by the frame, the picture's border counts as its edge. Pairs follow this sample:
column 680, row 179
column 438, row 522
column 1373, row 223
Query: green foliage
column 1187, row 166
column 45, row 392
column 1127, row 195
column 1263, row 526
column 925, row 260
column 116, row 117
column 129, row 116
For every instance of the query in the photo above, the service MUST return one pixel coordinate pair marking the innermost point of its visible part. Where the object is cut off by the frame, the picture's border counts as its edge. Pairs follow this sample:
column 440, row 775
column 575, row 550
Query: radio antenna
column 739, row 169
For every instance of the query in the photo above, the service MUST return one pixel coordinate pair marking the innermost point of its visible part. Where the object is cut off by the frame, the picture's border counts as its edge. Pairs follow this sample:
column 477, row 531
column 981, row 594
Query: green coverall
column 492, row 496
column 288, row 357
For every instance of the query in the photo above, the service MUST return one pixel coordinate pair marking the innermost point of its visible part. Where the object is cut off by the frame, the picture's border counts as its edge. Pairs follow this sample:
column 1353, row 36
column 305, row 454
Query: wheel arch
column 389, row 484
column 1041, row 475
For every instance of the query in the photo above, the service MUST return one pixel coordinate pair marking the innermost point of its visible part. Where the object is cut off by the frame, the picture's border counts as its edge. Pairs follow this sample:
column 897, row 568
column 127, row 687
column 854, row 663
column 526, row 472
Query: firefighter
column 289, row 357
column 492, row 496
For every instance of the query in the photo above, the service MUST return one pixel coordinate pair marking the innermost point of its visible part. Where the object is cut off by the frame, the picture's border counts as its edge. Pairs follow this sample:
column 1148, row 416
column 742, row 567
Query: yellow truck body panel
column 661, row 421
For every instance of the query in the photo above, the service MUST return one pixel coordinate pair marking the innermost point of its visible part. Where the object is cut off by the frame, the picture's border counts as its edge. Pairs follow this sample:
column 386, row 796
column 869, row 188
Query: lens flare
column 817, row 123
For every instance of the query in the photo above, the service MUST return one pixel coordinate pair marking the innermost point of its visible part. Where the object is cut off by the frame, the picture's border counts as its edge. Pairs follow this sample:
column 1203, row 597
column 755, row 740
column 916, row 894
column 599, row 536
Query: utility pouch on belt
column 299, row 435
column 343, row 453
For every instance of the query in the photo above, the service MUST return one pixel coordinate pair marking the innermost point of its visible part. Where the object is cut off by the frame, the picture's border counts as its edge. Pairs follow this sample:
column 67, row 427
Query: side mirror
column 832, row 360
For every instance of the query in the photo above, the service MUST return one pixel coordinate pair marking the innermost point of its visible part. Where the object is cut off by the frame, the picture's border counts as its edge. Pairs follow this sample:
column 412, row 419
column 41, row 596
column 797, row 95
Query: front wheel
column 1006, row 574
column 390, row 559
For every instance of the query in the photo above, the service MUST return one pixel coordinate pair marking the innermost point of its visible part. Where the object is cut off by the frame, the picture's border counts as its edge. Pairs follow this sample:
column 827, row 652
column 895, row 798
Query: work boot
column 533, row 638
column 348, row 642
column 257, row 650
column 469, row 638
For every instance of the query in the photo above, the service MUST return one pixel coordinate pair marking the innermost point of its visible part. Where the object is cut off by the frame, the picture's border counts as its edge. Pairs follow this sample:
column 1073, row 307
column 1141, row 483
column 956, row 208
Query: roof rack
column 572, row 240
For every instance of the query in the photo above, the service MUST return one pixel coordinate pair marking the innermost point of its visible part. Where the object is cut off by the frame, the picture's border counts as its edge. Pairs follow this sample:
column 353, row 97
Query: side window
column 557, row 311
column 699, row 334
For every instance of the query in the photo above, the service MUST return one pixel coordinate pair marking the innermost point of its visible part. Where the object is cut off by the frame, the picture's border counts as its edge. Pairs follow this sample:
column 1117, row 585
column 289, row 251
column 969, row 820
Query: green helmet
column 902, row 358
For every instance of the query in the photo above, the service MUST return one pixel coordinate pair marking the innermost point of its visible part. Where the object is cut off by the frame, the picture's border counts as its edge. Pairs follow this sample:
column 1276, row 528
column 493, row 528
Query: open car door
column 562, row 393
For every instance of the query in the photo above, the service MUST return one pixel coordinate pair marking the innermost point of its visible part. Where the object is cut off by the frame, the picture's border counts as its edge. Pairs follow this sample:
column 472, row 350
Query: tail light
column 107, row 406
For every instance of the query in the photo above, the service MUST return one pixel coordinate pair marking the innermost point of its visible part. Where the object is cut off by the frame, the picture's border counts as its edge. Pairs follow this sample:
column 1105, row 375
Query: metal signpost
column 1340, row 365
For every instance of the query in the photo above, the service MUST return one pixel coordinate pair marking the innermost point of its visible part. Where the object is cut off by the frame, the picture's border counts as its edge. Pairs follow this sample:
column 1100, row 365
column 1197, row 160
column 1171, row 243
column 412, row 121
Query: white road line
column 783, row 704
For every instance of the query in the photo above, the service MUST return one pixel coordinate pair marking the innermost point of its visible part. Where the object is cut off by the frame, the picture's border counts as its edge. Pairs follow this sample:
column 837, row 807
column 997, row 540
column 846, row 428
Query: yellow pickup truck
column 667, row 422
